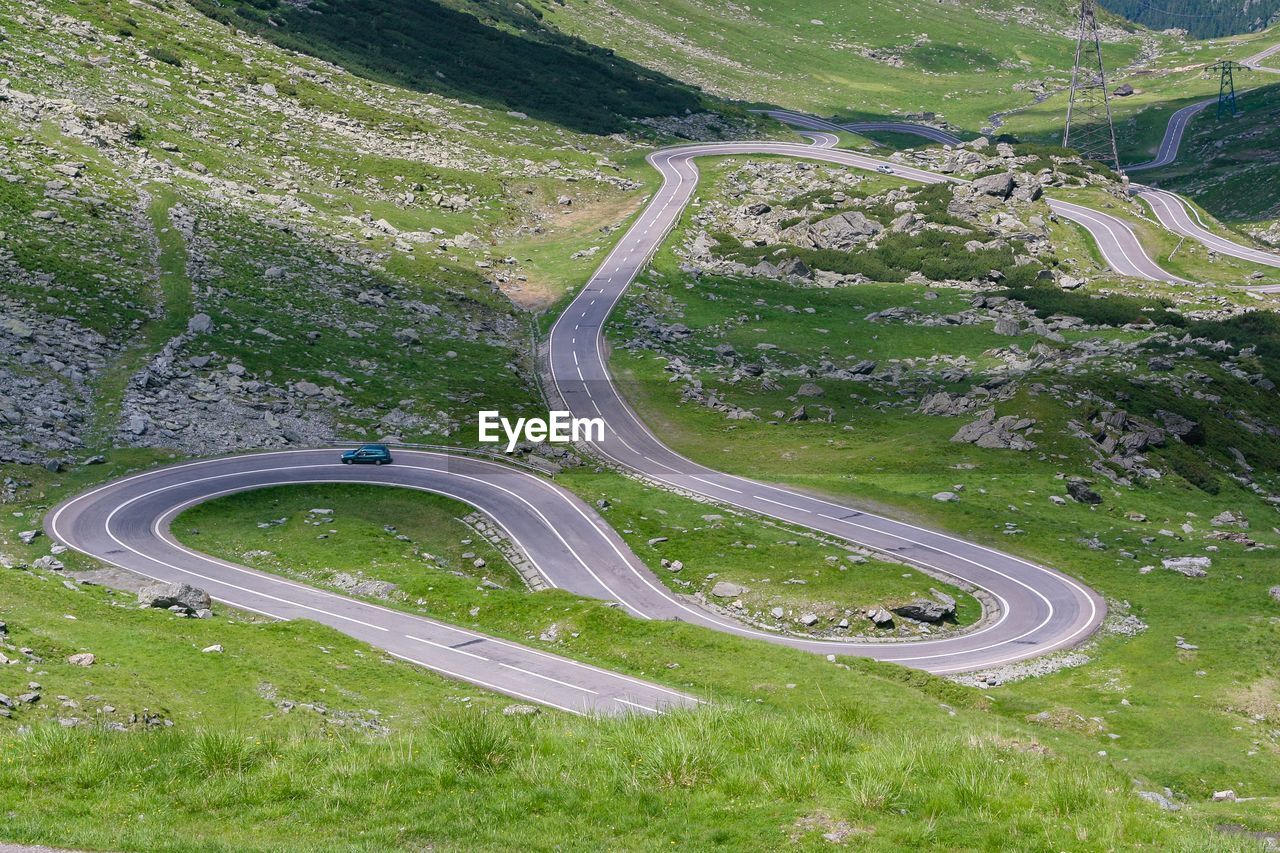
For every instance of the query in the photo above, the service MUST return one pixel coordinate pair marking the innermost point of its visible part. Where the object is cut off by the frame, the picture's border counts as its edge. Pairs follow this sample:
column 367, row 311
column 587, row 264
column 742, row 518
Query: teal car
column 369, row 454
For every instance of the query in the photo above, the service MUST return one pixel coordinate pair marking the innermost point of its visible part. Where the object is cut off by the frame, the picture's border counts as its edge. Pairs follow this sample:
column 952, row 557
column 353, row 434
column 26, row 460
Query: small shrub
column 115, row 117
column 476, row 743
column 1195, row 472
column 168, row 57
column 1047, row 300
column 217, row 752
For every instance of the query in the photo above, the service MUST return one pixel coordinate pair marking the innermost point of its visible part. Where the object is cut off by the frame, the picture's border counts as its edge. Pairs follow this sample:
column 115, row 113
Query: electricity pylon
column 1089, row 129
column 1226, row 86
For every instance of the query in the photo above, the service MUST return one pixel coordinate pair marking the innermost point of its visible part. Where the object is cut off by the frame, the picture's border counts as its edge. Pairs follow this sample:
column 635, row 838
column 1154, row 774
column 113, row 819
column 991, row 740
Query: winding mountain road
column 1177, row 215
column 1172, row 139
column 1035, row 609
column 1115, row 237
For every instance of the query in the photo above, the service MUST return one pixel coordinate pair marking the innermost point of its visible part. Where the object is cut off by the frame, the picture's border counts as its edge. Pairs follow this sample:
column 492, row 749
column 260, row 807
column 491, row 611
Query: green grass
column 378, row 754
column 495, row 53
column 879, row 454
column 738, row 777
column 172, row 313
column 355, row 539
column 1186, row 258
column 814, row 56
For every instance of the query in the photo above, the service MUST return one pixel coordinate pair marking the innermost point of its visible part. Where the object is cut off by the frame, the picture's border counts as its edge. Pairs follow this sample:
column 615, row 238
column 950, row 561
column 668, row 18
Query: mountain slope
column 509, row 59
column 1201, row 18
column 198, row 222
column 962, row 61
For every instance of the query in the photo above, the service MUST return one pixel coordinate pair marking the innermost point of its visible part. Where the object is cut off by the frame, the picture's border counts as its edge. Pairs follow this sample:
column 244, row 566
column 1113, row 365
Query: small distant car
column 369, row 454
column 885, row 170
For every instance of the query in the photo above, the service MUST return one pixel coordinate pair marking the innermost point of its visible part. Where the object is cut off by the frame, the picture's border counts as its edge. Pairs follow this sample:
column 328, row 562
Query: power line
column 1089, row 129
column 1226, row 85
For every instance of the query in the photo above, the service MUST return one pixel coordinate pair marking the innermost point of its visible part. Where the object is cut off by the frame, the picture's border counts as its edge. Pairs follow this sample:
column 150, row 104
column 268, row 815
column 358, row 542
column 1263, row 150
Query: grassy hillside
column 1226, row 160
column 877, row 445
column 295, row 737
column 499, row 54
column 211, row 242
column 197, row 221
column 962, row 62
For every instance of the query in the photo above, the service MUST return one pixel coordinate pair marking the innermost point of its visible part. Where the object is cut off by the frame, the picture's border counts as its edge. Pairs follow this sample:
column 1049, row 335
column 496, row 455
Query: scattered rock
column 1192, row 567
column 996, row 433
column 1161, row 800
column 82, row 659
column 724, row 589
column 166, row 596
column 1080, row 492
column 880, row 617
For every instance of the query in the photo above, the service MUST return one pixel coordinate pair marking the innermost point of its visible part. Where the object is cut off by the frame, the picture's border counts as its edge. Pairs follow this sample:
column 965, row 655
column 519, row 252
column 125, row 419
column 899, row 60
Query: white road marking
column 665, row 207
column 780, row 503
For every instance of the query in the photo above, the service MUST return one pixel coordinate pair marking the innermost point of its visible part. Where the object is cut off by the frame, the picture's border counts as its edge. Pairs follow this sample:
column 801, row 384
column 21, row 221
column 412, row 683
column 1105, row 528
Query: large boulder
column 1000, row 186
column 1192, row 567
column 928, row 610
column 996, row 433
column 1080, row 492
column 725, row 589
column 842, row 232
column 200, row 324
column 167, row 596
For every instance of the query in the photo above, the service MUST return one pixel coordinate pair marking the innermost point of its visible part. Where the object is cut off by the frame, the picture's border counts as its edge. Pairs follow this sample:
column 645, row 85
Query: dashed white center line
column 506, row 665
column 637, row 705
column 780, row 503
column 714, row 485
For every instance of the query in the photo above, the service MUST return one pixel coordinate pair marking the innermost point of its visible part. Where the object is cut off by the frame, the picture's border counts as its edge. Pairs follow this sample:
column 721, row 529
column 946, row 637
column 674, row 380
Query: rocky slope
column 212, row 243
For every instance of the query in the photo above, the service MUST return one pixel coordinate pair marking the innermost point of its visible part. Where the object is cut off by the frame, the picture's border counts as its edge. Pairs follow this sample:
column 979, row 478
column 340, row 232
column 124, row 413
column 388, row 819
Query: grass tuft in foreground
column 484, row 781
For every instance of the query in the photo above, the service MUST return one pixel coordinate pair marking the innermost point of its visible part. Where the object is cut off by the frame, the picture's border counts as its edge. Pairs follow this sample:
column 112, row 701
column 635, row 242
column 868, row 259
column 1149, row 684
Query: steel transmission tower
column 1226, row 86
column 1089, row 128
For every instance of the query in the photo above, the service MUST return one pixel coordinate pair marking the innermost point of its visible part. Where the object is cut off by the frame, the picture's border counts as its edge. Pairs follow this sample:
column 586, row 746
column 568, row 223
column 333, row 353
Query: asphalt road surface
column 1036, row 609
column 1178, row 216
column 126, row 523
column 1115, row 238
column 1172, row 139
